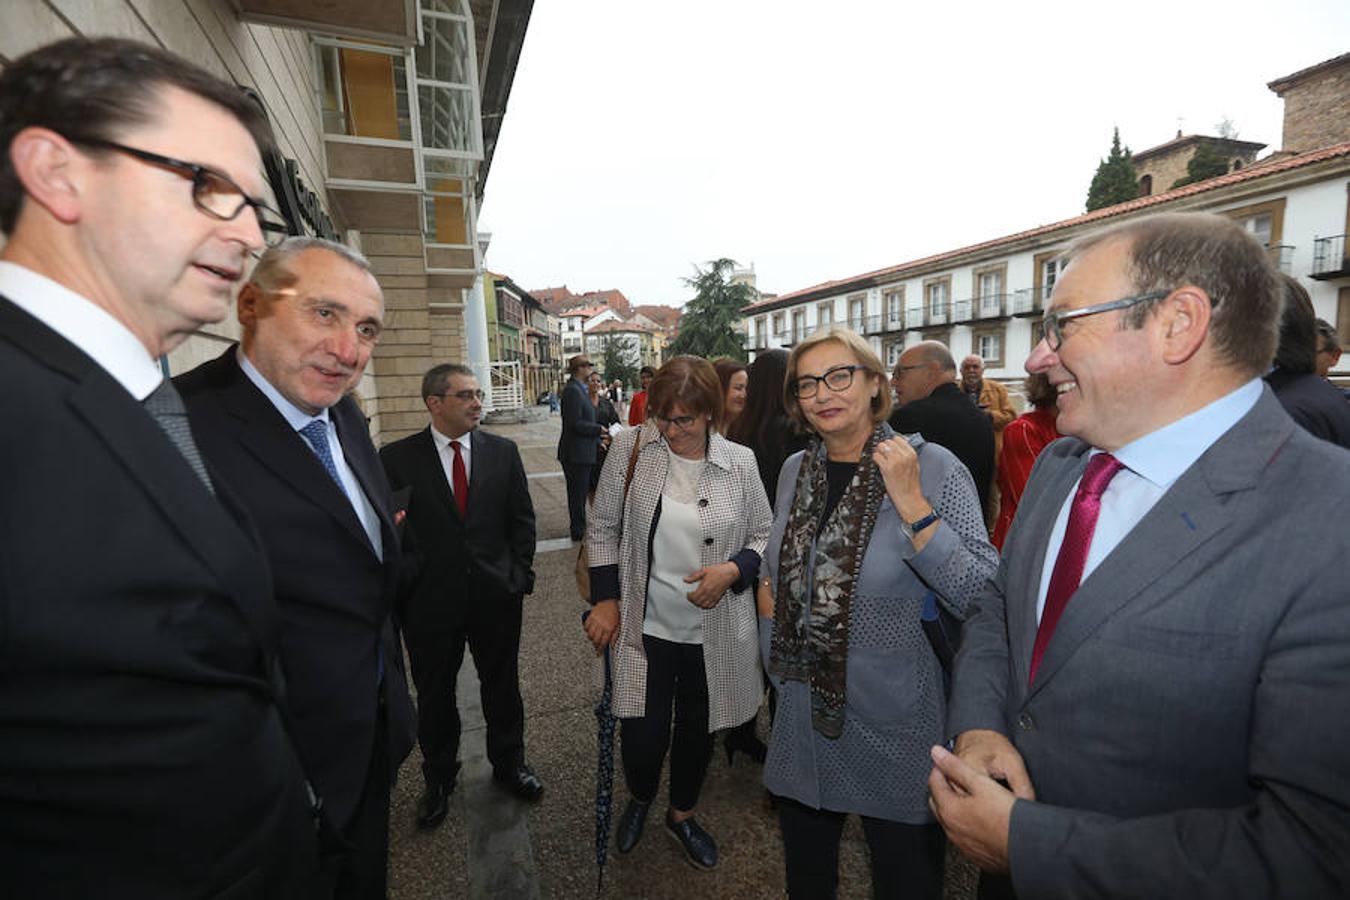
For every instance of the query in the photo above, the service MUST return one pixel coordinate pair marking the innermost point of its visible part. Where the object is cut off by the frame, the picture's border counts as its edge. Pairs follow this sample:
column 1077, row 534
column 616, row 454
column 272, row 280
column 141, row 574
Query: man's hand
column 972, row 808
column 992, row 754
column 713, row 582
column 602, row 625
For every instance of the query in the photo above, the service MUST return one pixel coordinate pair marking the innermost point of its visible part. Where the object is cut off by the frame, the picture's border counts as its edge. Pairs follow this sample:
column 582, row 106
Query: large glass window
column 447, row 97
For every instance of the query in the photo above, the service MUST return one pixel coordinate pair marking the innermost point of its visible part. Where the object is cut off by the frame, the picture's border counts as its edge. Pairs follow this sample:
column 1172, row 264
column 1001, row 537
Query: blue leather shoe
column 629, row 831
column 699, row 847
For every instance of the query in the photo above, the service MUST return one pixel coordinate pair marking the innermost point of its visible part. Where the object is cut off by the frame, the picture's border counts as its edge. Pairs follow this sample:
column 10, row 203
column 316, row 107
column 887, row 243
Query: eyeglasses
column 838, row 379
column 213, row 193
column 681, row 422
column 1052, row 323
column 900, row 370
column 466, row 396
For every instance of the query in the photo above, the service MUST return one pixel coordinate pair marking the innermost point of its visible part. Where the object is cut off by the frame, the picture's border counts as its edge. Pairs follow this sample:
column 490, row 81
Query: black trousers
column 490, row 627
column 675, row 679
column 907, row 860
column 578, row 478
column 359, row 871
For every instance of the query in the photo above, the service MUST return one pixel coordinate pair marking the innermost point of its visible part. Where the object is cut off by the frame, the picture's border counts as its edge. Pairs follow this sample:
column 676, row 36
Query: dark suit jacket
column 142, row 752
column 948, row 418
column 1185, row 733
column 1315, row 403
column 580, row 439
column 335, row 595
column 463, row 562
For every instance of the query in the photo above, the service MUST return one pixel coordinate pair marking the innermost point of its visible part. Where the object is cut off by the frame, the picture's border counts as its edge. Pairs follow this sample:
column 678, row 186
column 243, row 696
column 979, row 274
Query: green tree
column 1204, row 164
column 708, row 324
column 618, row 360
column 1115, row 181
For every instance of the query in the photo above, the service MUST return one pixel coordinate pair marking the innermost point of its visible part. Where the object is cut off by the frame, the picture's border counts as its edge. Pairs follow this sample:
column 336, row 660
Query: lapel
column 1194, row 511
column 266, row 434
column 428, row 459
column 354, row 437
column 227, row 549
column 482, row 473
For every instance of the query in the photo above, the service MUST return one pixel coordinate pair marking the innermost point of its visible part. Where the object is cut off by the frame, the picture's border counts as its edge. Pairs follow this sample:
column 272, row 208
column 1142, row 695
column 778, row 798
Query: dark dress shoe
column 431, row 809
column 629, row 831
column 521, row 781
column 699, row 847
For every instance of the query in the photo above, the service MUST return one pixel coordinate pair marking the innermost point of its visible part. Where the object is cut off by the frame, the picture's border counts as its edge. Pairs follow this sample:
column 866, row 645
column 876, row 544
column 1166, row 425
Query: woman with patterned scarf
column 868, row 523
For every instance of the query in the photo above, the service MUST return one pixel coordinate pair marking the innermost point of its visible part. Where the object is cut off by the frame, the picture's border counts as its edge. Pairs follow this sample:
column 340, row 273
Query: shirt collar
column 86, row 325
column 443, row 441
column 296, row 417
column 1163, row 455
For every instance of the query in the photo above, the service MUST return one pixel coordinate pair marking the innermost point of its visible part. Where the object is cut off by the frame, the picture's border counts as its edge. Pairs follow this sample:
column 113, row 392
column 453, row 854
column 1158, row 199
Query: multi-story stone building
column 386, row 114
column 988, row 298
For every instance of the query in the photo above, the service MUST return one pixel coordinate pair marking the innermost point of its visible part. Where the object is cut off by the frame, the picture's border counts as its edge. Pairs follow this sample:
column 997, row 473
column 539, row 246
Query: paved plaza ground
column 493, row 846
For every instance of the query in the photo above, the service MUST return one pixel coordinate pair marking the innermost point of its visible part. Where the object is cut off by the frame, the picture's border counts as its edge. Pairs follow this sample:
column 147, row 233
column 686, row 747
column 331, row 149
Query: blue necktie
column 316, row 432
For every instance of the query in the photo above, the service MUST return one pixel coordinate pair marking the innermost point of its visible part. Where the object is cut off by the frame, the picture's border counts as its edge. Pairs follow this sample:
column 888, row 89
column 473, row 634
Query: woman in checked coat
column 674, row 553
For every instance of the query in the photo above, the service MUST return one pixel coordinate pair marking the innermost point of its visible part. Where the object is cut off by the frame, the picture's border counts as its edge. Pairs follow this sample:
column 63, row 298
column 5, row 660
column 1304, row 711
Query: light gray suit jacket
column 1188, row 734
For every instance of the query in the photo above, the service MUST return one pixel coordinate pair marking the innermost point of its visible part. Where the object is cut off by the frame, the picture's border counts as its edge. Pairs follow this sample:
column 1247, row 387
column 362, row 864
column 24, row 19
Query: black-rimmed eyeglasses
column 684, row 423
column 838, row 379
column 213, row 193
column 1052, row 322
column 466, row 396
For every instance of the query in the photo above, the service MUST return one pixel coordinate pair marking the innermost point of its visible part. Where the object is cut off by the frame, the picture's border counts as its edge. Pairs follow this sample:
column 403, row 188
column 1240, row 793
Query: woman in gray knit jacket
column 868, row 524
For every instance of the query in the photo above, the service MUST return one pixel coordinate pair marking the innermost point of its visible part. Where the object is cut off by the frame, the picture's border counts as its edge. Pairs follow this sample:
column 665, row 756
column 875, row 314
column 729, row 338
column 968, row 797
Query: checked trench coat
column 733, row 514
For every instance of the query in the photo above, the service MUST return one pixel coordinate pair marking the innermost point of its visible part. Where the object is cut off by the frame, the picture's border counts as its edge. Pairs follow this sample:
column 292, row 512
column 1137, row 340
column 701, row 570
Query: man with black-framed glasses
column 146, row 750
column 1154, row 673
column 472, row 520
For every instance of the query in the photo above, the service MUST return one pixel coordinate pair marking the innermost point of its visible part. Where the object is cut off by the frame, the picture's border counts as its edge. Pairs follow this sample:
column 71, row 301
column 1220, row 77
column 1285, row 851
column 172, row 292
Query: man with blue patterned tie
column 274, row 417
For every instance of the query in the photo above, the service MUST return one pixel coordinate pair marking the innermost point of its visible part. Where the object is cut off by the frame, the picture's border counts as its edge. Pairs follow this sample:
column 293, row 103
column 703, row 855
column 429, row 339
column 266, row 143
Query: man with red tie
column 1154, row 671
column 472, row 522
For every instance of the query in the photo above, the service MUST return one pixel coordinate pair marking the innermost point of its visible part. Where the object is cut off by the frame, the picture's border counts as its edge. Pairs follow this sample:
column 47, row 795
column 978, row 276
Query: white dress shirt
column 91, row 328
column 447, row 455
column 1152, row 464
column 297, row 418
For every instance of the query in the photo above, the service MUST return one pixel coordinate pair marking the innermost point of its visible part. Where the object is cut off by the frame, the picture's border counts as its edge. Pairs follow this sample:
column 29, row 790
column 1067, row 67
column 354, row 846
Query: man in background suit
column 579, row 443
column 274, row 416
column 929, row 402
column 1159, row 668
column 471, row 516
column 143, row 749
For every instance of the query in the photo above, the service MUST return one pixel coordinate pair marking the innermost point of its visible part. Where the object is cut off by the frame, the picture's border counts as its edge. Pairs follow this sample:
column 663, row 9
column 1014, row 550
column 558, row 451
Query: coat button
column 703, row 502
column 708, row 541
column 1025, row 722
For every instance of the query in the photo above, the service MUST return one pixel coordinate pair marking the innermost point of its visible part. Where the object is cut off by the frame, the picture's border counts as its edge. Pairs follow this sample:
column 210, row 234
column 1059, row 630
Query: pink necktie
column 461, row 485
column 1068, row 572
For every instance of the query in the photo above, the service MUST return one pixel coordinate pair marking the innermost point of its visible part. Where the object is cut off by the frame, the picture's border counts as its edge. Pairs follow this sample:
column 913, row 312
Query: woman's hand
column 602, row 625
column 713, row 582
column 764, row 598
column 899, row 467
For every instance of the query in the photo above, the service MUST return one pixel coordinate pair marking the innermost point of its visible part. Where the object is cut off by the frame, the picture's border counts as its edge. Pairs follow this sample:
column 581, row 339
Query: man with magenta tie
column 472, row 521
column 1155, row 670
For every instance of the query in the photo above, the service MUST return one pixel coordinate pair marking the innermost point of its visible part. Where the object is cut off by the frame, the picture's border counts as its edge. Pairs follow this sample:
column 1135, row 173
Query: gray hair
column 437, row 380
column 272, row 273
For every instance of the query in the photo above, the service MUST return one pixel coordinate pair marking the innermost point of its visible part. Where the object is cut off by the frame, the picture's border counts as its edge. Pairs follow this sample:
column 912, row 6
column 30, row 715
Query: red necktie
column 461, row 485
column 1068, row 571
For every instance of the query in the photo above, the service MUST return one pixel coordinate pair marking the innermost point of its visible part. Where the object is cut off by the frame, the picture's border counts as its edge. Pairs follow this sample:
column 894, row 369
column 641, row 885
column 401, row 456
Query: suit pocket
column 1189, row 643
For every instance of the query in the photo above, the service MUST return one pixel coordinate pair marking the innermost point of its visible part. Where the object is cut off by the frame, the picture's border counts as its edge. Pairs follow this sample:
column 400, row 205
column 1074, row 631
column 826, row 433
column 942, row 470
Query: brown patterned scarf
column 818, row 565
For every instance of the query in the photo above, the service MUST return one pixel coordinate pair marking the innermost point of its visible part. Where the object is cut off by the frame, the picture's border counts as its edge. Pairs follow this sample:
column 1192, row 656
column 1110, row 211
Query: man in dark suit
column 274, row 416
column 473, row 522
column 1156, row 670
column 579, row 443
column 143, row 745
column 929, row 402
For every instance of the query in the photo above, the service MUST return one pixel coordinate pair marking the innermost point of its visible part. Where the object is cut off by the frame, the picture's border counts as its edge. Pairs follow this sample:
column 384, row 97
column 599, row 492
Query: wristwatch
column 912, row 528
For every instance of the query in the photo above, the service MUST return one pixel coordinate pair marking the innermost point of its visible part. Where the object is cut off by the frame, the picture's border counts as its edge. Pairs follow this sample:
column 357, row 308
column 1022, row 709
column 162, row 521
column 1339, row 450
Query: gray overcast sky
column 823, row 140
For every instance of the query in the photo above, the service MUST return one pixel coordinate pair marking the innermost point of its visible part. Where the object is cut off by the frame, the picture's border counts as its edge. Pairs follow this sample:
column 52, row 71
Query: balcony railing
column 1281, row 256
column 1028, row 301
column 1329, row 258
column 939, row 313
